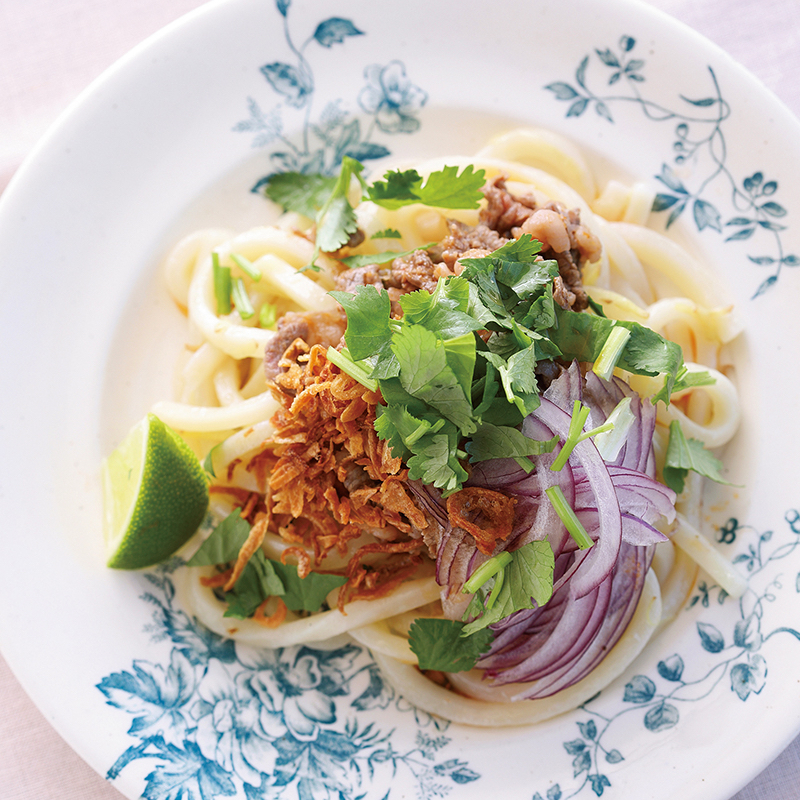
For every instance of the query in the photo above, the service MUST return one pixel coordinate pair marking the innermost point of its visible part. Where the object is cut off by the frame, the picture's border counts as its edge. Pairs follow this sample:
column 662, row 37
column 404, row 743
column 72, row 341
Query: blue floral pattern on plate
column 657, row 699
column 221, row 719
column 217, row 719
column 389, row 100
column 699, row 138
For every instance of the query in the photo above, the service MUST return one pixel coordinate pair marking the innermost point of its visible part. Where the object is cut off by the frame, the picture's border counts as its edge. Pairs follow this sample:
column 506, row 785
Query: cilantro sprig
column 324, row 199
column 684, row 454
column 262, row 577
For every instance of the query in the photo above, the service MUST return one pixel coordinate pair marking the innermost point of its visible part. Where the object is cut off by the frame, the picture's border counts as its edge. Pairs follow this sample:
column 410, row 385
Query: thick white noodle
column 210, row 612
column 656, row 252
column 180, row 262
column 547, row 151
column 425, row 694
column 697, row 546
column 185, row 417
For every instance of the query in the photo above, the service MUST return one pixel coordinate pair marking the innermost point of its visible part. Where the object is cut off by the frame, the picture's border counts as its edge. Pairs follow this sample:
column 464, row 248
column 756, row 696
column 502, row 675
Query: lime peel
column 155, row 496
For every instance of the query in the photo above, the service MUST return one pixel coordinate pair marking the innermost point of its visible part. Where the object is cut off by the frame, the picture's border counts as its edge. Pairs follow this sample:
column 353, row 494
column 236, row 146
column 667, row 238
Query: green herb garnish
column 685, row 454
column 439, row 644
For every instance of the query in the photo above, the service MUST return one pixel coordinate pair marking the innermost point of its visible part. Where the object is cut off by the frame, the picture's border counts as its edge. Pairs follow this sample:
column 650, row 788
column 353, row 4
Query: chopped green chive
column 611, row 352
column 268, row 315
column 580, row 414
column 567, row 515
column 241, row 299
column 344, row 361
column 499, row 580
column 485, row 571
column 246, row 266
column 222, row 285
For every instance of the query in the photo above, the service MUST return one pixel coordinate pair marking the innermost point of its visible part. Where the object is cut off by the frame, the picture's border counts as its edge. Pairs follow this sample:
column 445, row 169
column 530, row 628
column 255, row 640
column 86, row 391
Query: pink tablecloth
column 51, row 49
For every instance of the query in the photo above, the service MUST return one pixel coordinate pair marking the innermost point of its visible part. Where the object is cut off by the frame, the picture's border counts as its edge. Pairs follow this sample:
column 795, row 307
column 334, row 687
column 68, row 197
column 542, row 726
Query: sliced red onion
column 596, row 590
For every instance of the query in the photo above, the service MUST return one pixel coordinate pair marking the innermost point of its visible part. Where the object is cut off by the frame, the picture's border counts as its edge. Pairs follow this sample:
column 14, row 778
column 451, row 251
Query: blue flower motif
column 291, row 687
column 391, row 98
column 233, row 729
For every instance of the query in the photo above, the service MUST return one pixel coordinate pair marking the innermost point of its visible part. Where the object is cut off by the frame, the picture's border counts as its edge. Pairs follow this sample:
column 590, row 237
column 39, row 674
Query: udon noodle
column 224, row 401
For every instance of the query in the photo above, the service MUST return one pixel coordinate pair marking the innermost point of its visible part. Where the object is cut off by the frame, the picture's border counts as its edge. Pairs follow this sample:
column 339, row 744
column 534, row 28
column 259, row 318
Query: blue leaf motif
column 766, row 285
column 706, row 215
column 770, row 187
column 288, row 81
column 365, row 151
column 588, row 729
column 627, row 43
column 335, row 30
column 661, row 717
column 608, row 58
column 671, row 669
column 187, row 775
column 283, row 6
column 151, row 693
column 578, row 107
column 464, row 775
column 554, row 792
column 640, row 689
column 562, row 91
column 614, row 757
column 711, row 639
column 581, row 763
column 749, row 677
column 575, row 747
column 705, row 101
column 664, row 201
column 747, row 633
column 761, row 260
column 602, row 109
column 599, row 782
column 791, row 261
column 670, row 179
column 744, row 233
column 378, row 693
column 775, row 209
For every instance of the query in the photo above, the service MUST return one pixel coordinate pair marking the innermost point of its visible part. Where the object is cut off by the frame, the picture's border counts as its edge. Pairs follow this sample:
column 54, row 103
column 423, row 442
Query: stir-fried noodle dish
column 460, row 411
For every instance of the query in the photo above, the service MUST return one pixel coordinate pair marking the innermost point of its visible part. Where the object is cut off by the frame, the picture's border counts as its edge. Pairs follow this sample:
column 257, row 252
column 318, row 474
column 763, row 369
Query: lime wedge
column 155, row 495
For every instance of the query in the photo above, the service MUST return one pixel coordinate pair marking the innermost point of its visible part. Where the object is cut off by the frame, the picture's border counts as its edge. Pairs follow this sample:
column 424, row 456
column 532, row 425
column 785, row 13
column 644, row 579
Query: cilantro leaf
column 337, row 224
column 582, row 336
column 501, row 441
column 684, row 380
column 399, row 189
column 304, row 194
column 257, row 582
column 688, row 454
column 368, row 330
column 401, row 429
column 305, row 594
column 224, row 543
column 528, row 583
column 440, row 645
column 443, row 189
column 425, row 374
column 387, row 233
column 435, row 463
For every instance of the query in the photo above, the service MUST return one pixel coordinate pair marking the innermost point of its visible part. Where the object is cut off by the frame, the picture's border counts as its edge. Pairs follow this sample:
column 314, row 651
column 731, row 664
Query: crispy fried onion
column 487, row 515
column 330, row 479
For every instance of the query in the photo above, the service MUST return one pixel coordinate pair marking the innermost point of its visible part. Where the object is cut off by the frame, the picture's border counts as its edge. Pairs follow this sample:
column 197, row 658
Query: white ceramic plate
column 174, row 137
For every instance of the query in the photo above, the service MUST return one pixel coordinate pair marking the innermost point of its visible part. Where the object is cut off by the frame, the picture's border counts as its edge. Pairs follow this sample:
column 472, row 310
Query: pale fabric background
column 51, row 49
